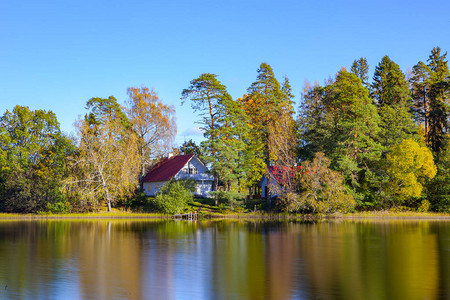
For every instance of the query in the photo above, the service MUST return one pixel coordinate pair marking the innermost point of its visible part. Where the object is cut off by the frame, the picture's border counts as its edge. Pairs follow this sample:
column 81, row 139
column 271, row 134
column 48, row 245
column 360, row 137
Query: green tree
column 391, row 92
column 360, row 68
column 267, row 97
column 431, row 98
column 254, row 151
column 105, row 110
column 354, row 129
column 33, row 155
column 265, row 102
column 438, row 189
column 107, row 163
column 231, row 161
column 173, row 198
column 342, row 122
column 206, row 94
column 190, row 147
column 312, row 123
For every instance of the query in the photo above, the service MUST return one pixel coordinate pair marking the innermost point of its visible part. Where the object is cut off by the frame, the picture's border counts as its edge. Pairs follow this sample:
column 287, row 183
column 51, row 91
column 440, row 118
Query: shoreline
column 376, row 215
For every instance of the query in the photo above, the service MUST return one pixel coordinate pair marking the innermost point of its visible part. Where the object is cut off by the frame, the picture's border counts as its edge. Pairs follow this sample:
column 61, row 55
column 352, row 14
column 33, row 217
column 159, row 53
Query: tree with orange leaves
column 154, row 124
column 269, row 106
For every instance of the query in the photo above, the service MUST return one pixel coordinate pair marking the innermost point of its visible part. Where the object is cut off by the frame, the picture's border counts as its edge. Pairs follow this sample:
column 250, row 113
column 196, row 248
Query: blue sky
column 55, row 55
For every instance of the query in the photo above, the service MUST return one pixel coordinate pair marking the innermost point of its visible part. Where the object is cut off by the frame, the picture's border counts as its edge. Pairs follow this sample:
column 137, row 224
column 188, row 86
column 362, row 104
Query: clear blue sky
column 55, row 55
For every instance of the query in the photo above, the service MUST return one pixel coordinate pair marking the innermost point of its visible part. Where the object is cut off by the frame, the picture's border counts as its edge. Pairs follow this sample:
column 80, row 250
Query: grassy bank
column 96, row 215
column 233, row 215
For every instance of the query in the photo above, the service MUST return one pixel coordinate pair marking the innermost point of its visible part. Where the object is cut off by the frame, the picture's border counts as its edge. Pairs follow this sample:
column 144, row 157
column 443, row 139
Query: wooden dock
column 189, row 216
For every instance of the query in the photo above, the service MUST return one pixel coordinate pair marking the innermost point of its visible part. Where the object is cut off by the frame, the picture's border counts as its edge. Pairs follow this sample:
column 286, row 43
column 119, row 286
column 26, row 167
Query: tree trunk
column 215, row 185
column 269, row 178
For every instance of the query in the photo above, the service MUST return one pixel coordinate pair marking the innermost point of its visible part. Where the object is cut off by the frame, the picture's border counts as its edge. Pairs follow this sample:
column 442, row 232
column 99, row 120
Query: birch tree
column 107, row 160
column 153, row 122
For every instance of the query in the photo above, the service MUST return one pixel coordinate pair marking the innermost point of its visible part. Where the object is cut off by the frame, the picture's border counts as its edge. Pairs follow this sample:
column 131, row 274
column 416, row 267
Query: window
column 193, row 170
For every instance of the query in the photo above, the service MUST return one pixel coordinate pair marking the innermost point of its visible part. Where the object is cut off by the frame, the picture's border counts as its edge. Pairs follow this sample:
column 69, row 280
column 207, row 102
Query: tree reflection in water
column 124, row 259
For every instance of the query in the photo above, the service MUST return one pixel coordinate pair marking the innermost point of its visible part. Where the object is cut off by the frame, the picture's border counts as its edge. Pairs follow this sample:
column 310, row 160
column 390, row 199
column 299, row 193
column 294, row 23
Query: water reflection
column 221, row 260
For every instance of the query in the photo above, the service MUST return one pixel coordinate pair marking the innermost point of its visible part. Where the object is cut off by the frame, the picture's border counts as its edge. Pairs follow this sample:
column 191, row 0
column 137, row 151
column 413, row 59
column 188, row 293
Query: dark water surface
column 123, row 259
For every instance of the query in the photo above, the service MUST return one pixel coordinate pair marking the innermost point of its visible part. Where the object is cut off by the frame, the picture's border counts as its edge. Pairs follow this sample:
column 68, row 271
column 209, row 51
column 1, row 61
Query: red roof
column 167, row 168
column 280, row 172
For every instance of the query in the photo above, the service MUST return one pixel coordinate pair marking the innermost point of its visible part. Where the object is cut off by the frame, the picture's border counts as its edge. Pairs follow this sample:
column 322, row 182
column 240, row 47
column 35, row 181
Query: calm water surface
column 121, row 259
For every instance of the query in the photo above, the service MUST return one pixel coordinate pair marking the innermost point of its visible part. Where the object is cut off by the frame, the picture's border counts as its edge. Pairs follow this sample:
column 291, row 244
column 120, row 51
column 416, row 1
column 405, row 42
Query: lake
column 157, row 259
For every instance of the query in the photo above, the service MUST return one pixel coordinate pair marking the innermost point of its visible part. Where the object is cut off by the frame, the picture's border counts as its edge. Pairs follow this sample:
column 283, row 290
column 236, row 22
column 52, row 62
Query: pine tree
column 439, row 93
column 353, row 126
column 431, row 98
column 391, row 93
column 231, row 161
column 268, row 100
column 312, row 123
column 207, row 95
column 360, row 68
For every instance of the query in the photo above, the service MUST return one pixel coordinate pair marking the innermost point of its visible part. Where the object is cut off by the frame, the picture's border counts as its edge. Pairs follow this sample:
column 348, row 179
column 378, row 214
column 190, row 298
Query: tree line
column 352, row 145
column 41, row 169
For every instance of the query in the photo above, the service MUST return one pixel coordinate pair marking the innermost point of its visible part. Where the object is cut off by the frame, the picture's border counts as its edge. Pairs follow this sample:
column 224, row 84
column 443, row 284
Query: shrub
column 173, row 198
column 61, row 207
column 322, row 190
column 424, row 206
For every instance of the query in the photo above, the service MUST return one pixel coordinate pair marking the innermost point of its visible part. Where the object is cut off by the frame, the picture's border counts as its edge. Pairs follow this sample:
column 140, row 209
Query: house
column 180, row 167
column 279, row 177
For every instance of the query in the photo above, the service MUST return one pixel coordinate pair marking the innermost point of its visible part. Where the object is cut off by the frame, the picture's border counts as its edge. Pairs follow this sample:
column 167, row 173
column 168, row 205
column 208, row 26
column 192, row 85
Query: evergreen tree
column 254, row 151
column 431, row 98
column 354, row 149
column 438, row 189
column 207, row 95
column 360, row 68
column 231, row 161
column 439, row 93
column 419, row 82
column 312, row 123
column 190, row 147
column 391, row 93
column 342, row 121
column 268, row 100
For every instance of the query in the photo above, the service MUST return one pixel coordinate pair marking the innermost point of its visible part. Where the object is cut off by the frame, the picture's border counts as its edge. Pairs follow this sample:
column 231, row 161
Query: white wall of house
column 203, row 188
column 151, row 188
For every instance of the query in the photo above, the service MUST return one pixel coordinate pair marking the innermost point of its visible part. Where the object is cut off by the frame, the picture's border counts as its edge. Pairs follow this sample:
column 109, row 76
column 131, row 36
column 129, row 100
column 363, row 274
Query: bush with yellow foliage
column 408, row 165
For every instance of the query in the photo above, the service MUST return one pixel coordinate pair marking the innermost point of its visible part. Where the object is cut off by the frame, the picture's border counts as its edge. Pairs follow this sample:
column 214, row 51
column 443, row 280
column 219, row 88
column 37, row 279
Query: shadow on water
column 222, row 259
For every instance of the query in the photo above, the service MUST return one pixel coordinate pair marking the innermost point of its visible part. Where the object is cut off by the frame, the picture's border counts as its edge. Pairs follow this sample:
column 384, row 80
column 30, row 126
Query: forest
column 350, row 144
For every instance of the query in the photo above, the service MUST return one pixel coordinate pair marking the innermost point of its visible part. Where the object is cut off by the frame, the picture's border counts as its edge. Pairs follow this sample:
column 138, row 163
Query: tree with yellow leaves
column 266, row 102
column 408, row 165
column 107, row 164
column 154, row 124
